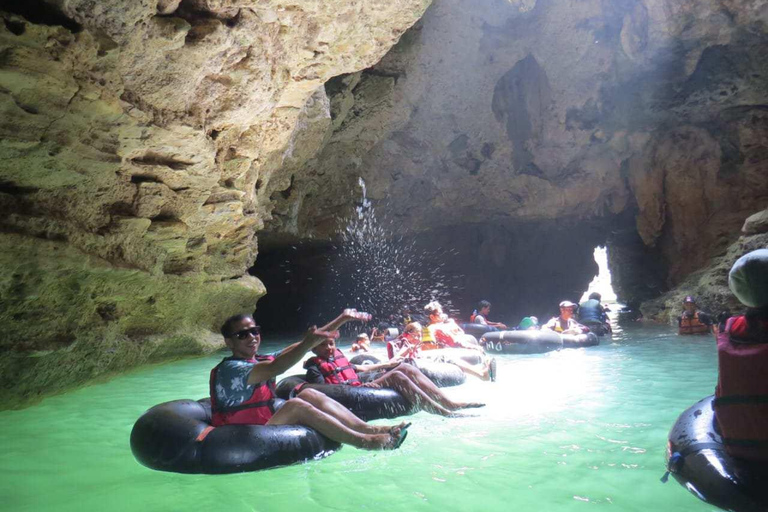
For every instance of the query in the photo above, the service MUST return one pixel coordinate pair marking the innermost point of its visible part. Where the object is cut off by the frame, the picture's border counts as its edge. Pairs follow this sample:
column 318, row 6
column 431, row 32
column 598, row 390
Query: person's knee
column 395, row 377
column 309, row 394
column 408, row 369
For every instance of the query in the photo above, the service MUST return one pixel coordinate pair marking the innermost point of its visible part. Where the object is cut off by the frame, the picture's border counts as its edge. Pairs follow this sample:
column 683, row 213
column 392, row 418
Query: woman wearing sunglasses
column 242, row 388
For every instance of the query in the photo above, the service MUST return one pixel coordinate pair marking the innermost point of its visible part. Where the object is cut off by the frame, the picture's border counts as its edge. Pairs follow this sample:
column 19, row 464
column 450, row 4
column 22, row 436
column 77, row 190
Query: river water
column 574, row 430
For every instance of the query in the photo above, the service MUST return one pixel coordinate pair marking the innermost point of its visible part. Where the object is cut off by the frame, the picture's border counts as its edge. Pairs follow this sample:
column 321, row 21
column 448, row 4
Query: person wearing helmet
column 693, row 321
column 741, row 396
column 565, row 323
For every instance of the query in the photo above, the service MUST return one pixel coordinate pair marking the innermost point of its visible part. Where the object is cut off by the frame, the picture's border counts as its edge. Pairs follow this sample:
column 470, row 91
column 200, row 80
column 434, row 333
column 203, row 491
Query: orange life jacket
column 692, row 325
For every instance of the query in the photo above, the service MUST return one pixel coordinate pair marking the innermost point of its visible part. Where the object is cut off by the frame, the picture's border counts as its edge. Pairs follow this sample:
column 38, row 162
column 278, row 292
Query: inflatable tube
column 365, row 403
column 442, row 374
column 697, row 460
column 599, row 328
column 177, row 436
column 589, row 339
column 363, row 359
column 522, row 342
column 477, row 330
column 446, row 354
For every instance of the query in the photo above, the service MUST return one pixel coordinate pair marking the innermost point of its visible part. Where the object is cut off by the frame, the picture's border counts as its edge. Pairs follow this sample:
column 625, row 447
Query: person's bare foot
column 386, row 429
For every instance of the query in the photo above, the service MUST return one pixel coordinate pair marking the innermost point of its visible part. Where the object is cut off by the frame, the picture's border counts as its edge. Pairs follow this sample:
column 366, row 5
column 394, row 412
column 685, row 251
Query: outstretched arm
column 289, row 356
column 344, row 317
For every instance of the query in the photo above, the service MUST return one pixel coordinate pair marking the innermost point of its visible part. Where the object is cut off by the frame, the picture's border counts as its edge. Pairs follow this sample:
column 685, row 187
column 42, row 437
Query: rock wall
column 140, row 145
column 646, row 115
column 145, row 144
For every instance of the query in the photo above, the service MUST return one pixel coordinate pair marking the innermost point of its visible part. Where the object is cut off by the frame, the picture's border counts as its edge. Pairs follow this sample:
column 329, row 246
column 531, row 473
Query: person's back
column 741, row 396
column 591, row 311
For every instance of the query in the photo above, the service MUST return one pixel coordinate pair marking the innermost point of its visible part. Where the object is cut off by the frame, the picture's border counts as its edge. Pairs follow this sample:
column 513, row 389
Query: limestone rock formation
column 646, row 115
column 140, row 145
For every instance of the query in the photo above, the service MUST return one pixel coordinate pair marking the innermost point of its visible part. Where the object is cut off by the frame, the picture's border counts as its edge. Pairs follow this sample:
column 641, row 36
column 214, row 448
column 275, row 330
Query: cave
column 187, row 160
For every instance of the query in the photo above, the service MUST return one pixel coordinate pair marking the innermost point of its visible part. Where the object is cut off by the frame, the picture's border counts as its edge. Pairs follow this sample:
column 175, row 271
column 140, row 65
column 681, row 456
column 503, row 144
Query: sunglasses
column 253, row 331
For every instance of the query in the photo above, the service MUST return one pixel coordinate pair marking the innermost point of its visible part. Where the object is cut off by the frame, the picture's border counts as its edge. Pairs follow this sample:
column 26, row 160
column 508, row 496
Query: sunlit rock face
column 505, row 112
column 140, row 145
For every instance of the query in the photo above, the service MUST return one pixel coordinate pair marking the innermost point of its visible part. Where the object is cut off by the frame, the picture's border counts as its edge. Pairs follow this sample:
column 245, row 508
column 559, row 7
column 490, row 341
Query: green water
column 573, row 430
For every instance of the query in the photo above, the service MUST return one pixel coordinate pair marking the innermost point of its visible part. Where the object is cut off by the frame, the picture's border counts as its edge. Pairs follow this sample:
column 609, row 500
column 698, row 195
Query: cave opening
column 602, row 282
column 522, row 269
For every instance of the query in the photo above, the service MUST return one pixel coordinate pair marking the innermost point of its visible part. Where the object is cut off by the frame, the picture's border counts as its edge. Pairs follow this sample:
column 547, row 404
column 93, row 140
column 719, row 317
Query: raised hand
column 354, row 314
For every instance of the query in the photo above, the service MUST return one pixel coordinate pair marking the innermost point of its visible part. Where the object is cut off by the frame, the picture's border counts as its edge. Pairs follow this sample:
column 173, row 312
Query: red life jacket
column 741, row 397
column 335, row 370
column 257, row 410
column 692, row 325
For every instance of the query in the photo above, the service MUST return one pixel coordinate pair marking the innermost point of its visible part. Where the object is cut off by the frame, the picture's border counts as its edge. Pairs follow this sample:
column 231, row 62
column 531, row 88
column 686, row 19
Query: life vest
column 692, row 325
column 257, row 410
column 472, row 316
column 591, row 311
column 427, row 340
column 446, row 334
column 741, row 396
column 335, row 370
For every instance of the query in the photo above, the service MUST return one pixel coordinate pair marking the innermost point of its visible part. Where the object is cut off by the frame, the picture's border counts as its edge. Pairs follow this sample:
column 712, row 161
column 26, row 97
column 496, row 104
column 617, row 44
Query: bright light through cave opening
column 602, row 281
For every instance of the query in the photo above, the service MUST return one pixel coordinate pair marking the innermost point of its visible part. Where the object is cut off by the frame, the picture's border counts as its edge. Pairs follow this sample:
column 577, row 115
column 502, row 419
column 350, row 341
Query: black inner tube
column 177, row 436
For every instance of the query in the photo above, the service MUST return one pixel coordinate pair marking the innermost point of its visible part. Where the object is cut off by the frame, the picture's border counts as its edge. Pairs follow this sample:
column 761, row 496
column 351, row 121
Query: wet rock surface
column 646, row 115
column 156, row 142
column 146, row 139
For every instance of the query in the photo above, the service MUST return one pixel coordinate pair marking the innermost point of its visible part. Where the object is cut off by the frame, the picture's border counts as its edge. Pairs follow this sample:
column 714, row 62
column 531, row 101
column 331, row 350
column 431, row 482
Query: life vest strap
column 745, row 443
column 723, row 401
column 235, row 408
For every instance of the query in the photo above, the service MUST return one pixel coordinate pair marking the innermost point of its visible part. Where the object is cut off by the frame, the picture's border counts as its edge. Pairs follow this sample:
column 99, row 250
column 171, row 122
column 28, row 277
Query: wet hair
column 483, row 304
column 595, row 295
column 433, row 307
column 412, row 327
column 229, row 323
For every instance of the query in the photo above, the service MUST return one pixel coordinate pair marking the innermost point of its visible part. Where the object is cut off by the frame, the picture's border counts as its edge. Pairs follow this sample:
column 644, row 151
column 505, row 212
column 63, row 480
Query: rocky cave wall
column 146, row 145
column 648, row 116
column 141, row 143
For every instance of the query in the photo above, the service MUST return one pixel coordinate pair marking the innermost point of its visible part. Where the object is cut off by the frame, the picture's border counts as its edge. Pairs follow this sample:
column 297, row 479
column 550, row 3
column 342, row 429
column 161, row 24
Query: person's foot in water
column 492, row 370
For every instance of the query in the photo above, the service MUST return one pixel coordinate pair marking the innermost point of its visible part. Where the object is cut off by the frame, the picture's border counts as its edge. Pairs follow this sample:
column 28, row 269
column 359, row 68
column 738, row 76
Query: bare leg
column 340, row 413
column 470, row 369
column 406, row 387
column 427, row 386
column 300, row 412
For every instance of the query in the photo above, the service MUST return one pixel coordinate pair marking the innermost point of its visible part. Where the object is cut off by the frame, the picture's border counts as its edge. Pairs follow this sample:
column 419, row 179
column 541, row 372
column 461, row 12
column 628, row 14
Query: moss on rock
column 69, row 318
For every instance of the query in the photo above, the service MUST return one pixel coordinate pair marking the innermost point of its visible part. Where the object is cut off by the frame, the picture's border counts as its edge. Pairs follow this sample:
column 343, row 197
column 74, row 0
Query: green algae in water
column 566, row 431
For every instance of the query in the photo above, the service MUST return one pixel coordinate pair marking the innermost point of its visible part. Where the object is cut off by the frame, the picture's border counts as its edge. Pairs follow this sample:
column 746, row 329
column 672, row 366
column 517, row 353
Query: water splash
column 381, row 269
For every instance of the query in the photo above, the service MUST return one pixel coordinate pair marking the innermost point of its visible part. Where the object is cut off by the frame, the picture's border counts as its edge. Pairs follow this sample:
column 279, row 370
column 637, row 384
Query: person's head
column 567, row 309
column 242, row 336
column 326, row 348
column 595, row 296
column 362, row 338
column 413, row 330
column 529, row 322
column 483, row 307
column 434, row 311
column 689, row 304
column 748, row 279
